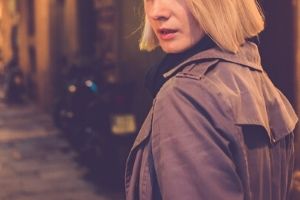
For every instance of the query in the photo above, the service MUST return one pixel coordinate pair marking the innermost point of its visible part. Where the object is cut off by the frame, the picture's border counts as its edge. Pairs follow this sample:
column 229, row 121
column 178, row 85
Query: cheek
column 193, row 24
column 194, row 28
column 152, row 28
column 149, row 25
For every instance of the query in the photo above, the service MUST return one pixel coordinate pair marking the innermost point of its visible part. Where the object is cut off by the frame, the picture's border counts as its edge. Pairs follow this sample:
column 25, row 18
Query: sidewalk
column 36, row 163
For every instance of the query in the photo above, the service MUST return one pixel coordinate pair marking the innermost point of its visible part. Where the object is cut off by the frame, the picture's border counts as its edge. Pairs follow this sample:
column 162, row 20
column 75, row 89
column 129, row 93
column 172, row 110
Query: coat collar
column 248, row 55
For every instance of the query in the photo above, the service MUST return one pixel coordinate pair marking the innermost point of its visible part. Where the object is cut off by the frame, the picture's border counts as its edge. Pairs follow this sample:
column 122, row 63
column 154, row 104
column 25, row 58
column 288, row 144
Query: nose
column 159, row 11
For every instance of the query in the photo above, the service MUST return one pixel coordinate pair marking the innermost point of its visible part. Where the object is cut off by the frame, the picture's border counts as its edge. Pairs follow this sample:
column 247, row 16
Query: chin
column 174, row 48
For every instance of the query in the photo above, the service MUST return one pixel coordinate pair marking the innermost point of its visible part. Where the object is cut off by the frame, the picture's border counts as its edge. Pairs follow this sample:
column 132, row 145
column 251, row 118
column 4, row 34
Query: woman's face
column 173, row 24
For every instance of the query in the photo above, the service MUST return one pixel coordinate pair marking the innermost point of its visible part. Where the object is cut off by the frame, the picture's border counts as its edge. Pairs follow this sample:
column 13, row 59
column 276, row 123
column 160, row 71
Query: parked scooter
column 94, row 111
column 79, row 87
column 14, row 85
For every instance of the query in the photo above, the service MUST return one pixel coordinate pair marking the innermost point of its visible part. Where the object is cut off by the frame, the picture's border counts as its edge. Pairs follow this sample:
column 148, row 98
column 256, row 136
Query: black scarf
column 154, row 77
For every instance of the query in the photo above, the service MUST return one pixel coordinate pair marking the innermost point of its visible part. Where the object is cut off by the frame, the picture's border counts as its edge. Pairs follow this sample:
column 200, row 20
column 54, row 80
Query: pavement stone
column 37, row 163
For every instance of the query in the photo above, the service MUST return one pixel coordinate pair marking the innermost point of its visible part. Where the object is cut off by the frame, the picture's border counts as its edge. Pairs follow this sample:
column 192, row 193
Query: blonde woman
column 218, row 128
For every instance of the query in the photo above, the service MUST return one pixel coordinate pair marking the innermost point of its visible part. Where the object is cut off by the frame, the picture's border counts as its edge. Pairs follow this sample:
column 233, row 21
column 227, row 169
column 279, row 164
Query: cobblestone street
column 36, row 163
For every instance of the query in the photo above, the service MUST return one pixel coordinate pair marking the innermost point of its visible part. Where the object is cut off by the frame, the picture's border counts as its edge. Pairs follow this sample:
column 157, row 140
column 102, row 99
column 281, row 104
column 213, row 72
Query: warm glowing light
column 1, row 7
column 89, row 83
column 72, row 88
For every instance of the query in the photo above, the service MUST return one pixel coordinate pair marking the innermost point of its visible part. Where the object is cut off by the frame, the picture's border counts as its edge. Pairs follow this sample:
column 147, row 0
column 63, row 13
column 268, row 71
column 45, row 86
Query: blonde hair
column 227, row 22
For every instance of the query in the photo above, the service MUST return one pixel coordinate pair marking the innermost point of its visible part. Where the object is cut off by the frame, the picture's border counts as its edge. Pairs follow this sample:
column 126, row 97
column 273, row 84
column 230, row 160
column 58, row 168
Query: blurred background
column 73, row 97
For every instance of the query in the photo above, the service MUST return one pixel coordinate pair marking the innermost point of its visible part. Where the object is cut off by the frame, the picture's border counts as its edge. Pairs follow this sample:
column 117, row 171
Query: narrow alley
column 79, row 77
column 36, row 162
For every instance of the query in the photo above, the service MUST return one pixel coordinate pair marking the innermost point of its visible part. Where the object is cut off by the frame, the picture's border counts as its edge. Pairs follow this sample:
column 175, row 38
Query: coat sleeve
column 192, row 158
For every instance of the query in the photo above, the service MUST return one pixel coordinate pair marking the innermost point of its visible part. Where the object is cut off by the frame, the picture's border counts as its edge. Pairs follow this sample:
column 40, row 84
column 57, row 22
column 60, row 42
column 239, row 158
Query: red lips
column 167, row 34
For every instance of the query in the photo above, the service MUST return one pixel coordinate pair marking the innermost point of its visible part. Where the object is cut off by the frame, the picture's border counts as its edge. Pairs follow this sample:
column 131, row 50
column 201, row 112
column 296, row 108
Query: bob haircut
column 227, row 22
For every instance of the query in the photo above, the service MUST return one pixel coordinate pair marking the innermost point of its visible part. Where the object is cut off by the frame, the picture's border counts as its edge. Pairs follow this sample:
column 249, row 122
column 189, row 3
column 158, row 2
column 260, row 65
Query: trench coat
column 217, row 129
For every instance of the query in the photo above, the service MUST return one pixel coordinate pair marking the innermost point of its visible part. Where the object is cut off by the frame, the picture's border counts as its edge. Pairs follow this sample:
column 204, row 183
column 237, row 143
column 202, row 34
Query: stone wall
column 9, row 18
